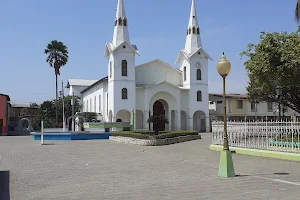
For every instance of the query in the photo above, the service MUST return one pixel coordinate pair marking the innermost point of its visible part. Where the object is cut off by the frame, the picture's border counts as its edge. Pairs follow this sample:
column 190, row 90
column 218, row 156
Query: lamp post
column 226, row 168
column 279, row 93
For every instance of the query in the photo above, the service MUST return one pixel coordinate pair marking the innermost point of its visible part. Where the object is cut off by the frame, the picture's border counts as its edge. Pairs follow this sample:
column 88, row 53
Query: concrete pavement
column 93, row 170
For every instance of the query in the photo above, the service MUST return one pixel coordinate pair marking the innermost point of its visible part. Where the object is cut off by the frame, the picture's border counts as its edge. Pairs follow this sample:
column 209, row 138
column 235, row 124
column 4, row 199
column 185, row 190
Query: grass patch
column 151, row 134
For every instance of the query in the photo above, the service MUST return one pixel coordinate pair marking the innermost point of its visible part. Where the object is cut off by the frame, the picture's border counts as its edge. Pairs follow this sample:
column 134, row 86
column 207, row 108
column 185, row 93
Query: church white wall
column 204, row 70
column 155, row 72
column 172, row 96
column 76, row 89
column 184, row 104
column 140, row 99
column 116, row 82
column 185, row 82
column 94, row 99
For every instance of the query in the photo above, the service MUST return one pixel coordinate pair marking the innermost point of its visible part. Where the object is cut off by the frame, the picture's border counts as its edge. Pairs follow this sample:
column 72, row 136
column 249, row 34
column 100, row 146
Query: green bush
column 131, row 134
column 151, row 134
column 173, row 134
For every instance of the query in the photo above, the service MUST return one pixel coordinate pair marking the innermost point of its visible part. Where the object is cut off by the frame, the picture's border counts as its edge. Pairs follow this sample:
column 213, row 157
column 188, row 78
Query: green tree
column 156, row 120
column 275, row 60
column 48, row 115
column 57, row 56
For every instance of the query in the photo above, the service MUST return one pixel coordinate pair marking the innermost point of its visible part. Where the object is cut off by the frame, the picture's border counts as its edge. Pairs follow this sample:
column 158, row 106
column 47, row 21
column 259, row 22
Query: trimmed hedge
column 151, row 134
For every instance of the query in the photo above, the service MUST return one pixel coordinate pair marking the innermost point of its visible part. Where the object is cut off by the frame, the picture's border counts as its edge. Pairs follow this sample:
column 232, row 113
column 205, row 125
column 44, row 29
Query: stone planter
column 154, row 142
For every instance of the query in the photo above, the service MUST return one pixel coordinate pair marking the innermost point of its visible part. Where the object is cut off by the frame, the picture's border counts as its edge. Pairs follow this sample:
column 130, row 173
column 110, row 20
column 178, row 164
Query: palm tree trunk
column 56, row 101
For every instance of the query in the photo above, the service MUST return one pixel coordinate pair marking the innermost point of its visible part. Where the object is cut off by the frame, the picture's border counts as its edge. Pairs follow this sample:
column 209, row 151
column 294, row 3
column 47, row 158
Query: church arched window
column 198, row 30
column 184, row 73
column 194, row 29
column 120, row 21
column 189, row 31
column 198, row 74
column 124, row 68
column 110, row 69
column 125, row 21
column 116, row 22
column 199, row 95
column 124, row 93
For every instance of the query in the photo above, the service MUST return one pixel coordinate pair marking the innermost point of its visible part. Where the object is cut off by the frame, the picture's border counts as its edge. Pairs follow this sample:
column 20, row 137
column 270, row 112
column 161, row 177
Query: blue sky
column 157, row 27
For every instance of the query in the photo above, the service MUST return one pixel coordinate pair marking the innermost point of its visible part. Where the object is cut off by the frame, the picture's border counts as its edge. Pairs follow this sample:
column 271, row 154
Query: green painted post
column 132, row 120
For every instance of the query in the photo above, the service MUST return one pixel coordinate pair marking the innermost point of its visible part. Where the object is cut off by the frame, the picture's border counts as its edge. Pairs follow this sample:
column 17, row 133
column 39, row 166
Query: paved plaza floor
column 100, row 170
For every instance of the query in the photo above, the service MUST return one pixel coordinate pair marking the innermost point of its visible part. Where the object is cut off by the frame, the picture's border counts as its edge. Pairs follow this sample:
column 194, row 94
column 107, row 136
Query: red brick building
column 4, row 113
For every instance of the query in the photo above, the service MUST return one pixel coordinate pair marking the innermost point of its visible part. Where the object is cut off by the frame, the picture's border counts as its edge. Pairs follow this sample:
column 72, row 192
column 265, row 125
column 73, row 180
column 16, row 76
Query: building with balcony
column 240, row 108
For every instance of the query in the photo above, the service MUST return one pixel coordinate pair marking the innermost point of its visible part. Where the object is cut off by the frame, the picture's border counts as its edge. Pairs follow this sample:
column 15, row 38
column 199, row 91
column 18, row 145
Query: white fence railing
column 275, row 136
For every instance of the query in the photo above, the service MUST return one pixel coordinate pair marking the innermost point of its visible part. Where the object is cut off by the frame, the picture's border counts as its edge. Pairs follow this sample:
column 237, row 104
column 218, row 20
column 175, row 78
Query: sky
column 157, row 27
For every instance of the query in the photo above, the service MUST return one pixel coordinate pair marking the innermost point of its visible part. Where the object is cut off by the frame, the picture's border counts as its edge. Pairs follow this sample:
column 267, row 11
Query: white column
column 207, row 121
column 145, row 116
column 178, row 120
column 190, row 122
column 170, row 120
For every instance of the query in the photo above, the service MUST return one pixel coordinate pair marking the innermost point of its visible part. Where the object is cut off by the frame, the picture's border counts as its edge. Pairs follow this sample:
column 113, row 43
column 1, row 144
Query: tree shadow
column 4, row 183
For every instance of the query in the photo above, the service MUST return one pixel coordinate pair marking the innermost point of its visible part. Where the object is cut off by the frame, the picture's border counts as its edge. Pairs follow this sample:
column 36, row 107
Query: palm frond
column 57, row 55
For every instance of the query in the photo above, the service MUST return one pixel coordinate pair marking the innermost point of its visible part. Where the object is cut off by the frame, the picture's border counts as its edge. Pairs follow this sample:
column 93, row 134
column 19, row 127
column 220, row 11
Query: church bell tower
column 121, row 67
column 193, row 61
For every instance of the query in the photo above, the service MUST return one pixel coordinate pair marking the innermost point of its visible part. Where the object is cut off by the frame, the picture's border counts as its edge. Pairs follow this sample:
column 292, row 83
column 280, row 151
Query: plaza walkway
column 100, row 170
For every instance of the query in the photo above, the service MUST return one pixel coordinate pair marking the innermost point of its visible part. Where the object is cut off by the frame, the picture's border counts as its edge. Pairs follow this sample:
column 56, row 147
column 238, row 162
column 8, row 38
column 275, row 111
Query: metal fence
column 275, row 136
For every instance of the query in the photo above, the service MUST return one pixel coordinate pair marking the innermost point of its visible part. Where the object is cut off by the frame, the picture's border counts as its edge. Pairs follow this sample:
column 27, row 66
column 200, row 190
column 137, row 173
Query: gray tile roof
column 81, row 82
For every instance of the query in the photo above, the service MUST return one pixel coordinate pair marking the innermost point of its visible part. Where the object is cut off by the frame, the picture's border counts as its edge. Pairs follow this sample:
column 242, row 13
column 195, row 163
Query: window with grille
column 124, row 93
column 198, row 74
column 124, row 68
column 253, row 105
column 270, row 106
column 239, row 104
column 199, row 96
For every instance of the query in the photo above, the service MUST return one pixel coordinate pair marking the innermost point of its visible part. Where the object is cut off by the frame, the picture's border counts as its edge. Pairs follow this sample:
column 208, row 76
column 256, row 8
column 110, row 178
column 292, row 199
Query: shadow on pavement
column 4, row 185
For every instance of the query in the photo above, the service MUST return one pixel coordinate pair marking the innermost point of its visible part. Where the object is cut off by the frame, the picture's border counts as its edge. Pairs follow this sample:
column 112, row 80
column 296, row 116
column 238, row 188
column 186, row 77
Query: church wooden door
column 158, row 109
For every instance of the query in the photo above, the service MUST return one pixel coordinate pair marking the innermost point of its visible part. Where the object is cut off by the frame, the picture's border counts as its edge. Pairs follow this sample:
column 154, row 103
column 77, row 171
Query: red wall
column 3, row 112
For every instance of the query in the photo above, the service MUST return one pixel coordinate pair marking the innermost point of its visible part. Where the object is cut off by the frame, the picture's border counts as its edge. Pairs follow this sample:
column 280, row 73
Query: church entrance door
column 158, row 109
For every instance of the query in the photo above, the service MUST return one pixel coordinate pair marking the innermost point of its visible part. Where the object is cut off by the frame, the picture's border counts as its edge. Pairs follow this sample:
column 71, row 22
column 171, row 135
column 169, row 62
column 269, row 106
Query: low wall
column 51, row 130
column 72, row 136
column 260, row 153
column 157, row 142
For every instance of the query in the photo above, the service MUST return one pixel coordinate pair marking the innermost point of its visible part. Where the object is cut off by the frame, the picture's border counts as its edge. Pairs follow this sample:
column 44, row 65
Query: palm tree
column 57, row 57
column 297, row 11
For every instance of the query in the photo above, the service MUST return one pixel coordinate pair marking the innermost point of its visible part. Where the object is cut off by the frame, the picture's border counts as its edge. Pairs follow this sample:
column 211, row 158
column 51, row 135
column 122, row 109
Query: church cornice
column 110, row 48
column 183, row 55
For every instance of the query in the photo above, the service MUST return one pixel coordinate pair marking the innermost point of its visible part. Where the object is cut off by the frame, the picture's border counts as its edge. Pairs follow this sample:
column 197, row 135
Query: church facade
column 152, row 88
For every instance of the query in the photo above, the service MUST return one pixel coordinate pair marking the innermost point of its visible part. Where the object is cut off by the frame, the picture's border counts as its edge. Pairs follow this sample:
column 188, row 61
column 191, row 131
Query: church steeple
column 121, row 33
column 193, row 40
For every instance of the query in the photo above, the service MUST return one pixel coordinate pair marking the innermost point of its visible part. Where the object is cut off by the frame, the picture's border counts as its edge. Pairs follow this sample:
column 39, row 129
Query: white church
column 152, row 88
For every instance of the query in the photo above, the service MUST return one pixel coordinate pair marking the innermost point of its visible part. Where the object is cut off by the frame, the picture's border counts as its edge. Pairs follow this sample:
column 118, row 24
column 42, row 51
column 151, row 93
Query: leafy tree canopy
column 47, row 112
column 57, row 55
column 157, row 119
column 275, row 60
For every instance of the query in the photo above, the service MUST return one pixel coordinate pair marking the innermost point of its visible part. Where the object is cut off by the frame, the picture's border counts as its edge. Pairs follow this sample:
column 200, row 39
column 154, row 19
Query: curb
column 260, row 153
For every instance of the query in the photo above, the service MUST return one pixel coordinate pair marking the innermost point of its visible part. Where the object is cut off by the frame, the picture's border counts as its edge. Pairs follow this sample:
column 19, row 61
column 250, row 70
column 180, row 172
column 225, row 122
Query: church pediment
column 110, row 48
column 157, row 71
column 183, row 55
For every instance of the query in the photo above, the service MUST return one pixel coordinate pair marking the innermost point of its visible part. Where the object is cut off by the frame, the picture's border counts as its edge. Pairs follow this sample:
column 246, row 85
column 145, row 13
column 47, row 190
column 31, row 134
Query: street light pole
column 63, row 105
column 226, row 147
column 73, row 117
column 279, row 93
column 226, row 168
